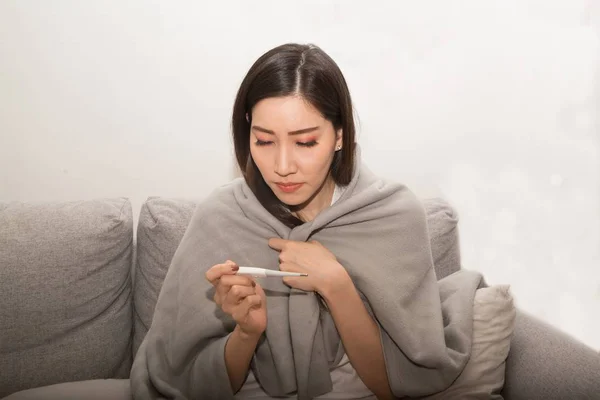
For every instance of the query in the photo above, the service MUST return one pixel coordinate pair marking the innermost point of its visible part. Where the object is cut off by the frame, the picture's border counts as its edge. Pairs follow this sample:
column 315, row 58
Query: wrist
column 250, row 337
column 339, row 283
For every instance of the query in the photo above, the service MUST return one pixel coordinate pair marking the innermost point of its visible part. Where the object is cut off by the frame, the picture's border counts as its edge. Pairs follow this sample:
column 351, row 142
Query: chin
column 290, row 199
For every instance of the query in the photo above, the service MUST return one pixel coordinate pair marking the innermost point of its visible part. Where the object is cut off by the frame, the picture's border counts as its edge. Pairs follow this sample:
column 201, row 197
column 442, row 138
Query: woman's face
column 293, row 147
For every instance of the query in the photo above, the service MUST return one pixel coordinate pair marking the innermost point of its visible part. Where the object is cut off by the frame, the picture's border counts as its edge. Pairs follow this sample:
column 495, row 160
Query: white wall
column 493, row 105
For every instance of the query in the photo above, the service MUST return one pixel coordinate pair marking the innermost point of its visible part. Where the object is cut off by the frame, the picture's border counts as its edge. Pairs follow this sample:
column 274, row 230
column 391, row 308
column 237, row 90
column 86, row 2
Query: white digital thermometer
column 261, row 272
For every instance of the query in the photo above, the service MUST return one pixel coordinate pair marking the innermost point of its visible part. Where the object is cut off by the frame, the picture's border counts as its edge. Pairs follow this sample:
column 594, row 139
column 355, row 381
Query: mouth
column 289, row 187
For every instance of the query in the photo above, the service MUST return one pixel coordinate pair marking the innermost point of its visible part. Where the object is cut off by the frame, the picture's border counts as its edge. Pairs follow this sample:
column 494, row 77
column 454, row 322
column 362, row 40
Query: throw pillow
column 493, row 324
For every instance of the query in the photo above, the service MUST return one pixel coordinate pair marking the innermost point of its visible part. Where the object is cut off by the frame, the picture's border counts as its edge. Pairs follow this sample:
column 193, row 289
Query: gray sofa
column 78, row 292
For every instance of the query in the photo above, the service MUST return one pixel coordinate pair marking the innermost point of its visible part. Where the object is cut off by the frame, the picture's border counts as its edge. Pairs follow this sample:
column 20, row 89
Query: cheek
column 264, row 159
column 315, row 163
column 258, row 158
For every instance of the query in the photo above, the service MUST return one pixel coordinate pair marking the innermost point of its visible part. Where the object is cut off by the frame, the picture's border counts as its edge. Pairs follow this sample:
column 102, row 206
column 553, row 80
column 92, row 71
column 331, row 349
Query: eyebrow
column 297, row 132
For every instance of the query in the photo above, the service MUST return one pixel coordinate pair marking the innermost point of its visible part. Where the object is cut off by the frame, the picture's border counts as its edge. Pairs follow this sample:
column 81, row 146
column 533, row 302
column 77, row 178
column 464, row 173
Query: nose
column 284, row 163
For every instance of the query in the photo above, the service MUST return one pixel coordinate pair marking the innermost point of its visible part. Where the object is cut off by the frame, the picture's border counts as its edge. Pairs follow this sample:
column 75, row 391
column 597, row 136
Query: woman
column 368, row 321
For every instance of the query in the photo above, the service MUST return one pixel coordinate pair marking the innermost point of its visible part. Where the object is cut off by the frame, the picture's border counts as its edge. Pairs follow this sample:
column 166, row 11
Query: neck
column 317, row 203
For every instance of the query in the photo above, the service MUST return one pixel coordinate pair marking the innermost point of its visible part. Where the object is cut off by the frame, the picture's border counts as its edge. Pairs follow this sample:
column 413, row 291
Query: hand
column 323, row 269
column 240, row 297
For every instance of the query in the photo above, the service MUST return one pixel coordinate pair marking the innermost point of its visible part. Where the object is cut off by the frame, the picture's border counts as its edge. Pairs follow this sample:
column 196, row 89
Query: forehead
column 289, row 111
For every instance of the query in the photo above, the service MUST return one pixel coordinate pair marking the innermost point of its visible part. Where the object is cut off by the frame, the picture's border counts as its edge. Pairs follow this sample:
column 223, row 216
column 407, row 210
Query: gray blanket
column 377, row 230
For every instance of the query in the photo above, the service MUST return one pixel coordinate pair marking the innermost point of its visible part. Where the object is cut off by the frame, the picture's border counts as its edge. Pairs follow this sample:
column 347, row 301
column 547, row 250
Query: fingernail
column 235, row 267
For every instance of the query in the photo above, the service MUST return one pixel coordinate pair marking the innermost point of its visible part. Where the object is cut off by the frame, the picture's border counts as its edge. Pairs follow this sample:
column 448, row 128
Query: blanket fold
column 378, row 232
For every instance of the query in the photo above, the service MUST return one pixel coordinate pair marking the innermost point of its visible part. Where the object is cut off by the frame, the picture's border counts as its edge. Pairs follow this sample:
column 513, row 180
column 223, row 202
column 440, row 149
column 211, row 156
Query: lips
column 289, row 187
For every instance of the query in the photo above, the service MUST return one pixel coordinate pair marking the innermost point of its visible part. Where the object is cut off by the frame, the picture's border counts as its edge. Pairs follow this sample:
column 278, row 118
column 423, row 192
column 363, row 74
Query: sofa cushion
column 97, row 389
column 65, row 298
column 163, row 222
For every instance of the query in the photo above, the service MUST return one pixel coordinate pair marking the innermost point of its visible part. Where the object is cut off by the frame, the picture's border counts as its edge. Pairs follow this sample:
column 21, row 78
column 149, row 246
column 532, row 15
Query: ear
column 339, row 138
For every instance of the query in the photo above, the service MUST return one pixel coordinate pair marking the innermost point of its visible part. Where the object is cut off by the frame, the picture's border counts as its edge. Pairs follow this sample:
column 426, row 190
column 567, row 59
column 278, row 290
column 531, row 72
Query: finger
column 220, row 293
column 294, row 282
column 227, row 281
column 259, row 291
column 217, row 298
column 238, row 293
column 288, row 266
column 244, row 307
column 277, row 243
column 290, row 281
column 217, row 271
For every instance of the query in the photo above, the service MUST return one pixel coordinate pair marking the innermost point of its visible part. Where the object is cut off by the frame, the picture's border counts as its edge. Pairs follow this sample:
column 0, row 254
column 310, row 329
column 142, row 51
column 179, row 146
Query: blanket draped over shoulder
column 378, row 232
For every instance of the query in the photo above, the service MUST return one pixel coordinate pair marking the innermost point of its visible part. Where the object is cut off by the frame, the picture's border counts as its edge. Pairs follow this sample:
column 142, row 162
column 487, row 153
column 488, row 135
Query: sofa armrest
column 545, row 363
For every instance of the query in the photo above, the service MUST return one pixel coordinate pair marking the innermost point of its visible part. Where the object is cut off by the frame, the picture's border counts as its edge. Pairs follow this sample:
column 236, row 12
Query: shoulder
column 406, row 214
column 407, row 206
column 221, row 201
column 402, row 203
column 398, row 196
column 393, row 195
column 407, row 199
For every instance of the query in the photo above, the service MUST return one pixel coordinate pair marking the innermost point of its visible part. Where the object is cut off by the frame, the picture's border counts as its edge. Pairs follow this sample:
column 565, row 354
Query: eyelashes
column 312, row 143
column 307, row 144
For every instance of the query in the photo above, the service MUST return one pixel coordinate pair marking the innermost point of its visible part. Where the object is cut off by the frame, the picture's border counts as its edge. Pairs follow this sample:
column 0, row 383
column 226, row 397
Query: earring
column 338, row 148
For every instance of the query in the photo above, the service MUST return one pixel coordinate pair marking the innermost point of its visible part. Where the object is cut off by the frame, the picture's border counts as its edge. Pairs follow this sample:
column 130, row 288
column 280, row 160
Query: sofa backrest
column 163, row 222
column 161, row 226
column 67, row 311
column 65, row 292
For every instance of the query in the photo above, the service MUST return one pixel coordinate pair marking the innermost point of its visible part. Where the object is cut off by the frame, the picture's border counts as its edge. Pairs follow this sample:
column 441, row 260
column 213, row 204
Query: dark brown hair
column 293, row 69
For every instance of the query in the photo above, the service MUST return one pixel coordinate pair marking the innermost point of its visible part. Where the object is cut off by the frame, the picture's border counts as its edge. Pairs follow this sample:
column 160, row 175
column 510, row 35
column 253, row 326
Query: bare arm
column 239, row 350
column 360, row 336
column 245, row 301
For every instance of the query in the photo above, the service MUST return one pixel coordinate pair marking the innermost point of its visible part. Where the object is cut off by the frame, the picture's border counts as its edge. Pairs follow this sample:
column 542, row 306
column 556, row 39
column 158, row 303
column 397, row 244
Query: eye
column 262, row 143
column 308, row 144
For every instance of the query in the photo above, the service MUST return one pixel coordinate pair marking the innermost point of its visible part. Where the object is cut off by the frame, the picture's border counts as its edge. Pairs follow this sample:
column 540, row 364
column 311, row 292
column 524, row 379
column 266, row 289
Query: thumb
column 259, row 290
